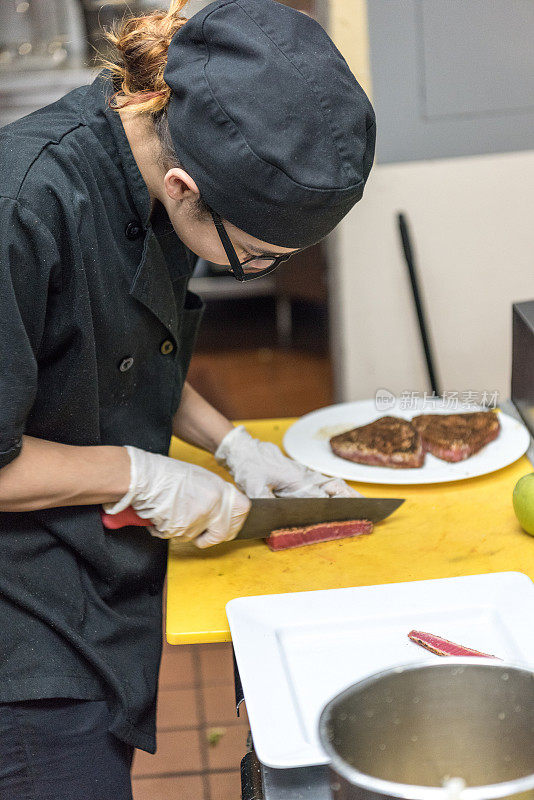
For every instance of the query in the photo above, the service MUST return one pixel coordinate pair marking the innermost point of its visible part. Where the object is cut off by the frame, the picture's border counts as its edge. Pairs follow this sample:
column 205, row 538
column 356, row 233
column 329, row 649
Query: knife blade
column 271, row 513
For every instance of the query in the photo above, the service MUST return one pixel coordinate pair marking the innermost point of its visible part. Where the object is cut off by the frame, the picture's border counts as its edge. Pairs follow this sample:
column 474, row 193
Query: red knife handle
column 126, row 517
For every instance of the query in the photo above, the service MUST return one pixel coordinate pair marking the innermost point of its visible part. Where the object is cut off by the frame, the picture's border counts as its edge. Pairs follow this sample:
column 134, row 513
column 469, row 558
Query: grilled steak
column 387, row 442
column 455, row 437
column 320, row 532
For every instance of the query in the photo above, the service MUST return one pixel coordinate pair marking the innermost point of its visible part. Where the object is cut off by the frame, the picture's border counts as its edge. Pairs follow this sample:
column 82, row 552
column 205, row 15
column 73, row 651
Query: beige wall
column 471, row 220
column 348, row 29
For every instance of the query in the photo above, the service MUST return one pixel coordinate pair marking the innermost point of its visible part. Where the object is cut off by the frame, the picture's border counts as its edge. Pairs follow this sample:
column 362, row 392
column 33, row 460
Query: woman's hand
column 260, row 469
column 181, row 500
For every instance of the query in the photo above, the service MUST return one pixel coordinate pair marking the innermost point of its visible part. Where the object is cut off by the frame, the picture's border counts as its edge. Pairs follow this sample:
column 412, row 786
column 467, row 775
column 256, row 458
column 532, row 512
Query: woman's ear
column 180, row 186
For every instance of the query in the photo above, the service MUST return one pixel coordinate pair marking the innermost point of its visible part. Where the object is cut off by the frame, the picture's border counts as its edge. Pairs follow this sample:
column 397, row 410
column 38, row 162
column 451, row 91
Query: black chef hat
column 268, row 119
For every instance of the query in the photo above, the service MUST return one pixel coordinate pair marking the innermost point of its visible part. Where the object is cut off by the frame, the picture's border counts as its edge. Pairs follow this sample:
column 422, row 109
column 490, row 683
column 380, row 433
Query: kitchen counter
column 443, row 530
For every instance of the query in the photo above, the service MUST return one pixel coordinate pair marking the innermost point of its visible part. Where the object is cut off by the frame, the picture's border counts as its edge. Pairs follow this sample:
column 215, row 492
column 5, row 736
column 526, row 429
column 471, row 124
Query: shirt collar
column 167, row 253
column 98, row 106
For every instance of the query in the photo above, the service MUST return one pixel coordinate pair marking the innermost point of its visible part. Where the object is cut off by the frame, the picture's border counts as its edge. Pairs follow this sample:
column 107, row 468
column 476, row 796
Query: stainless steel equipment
column 40, row 34
column 405, row 731
column 523, row 360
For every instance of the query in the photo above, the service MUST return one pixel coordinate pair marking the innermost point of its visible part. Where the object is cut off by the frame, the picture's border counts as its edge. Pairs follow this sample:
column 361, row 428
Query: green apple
column 523, row 500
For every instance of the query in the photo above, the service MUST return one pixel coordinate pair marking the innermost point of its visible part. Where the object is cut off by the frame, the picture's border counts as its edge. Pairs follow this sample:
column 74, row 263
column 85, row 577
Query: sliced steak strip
column 320, row 532
column 443, row 647
column 455, row 437
column 386, row 442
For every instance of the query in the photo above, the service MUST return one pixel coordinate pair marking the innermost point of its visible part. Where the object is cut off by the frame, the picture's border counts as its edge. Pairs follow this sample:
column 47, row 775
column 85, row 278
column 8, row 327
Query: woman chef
column 239, row 136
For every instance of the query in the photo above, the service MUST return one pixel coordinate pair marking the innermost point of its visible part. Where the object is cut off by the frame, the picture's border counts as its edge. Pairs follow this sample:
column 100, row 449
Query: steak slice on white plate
column 386, row 442
column 455, row 437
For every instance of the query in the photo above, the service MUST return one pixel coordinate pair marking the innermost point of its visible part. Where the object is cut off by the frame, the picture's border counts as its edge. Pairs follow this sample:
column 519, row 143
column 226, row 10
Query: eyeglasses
column 263, row 265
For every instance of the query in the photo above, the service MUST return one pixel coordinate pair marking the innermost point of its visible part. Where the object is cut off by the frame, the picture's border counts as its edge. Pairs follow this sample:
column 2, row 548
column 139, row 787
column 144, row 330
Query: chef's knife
column 272, row 513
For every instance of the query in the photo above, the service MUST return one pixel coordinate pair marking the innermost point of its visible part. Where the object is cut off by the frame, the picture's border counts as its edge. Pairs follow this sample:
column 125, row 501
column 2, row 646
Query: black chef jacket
column 96, row 333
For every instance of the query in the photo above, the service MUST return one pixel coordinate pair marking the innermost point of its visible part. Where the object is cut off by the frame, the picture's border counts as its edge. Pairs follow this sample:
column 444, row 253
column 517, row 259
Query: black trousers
column 60, row 749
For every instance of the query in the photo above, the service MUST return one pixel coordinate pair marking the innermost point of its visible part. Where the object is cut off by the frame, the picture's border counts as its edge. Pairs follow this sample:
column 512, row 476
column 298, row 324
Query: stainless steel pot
column 403, row 732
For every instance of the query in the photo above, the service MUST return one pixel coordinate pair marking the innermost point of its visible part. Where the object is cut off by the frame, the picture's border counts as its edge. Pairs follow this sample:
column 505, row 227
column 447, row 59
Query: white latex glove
column 183, row 501
column 260, row 469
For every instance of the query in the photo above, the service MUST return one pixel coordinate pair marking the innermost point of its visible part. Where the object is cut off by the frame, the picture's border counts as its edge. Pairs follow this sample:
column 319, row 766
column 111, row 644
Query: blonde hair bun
column 140, row 46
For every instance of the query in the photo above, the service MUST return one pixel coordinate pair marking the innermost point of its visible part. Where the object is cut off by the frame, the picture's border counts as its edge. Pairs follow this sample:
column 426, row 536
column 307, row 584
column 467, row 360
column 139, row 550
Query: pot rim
column 406, row 791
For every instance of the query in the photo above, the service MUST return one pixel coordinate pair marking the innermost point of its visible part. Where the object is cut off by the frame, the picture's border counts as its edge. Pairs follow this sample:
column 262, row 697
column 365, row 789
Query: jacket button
column 166, row 347
column 133, row 231
column 125, row 364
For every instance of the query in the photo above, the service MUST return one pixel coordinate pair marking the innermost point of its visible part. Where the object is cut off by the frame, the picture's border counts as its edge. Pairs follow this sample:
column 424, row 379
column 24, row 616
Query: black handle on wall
column 410, row 263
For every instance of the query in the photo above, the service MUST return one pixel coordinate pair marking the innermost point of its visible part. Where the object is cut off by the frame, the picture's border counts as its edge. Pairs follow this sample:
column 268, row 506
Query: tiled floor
column 201, row 741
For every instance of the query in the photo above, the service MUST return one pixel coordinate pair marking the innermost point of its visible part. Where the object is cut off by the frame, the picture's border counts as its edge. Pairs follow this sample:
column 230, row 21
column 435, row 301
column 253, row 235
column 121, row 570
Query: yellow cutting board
column 442, row 530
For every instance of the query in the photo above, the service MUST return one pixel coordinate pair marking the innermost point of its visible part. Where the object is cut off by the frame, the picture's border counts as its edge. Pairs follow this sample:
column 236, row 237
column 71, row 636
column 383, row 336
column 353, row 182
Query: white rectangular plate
column 296, row 651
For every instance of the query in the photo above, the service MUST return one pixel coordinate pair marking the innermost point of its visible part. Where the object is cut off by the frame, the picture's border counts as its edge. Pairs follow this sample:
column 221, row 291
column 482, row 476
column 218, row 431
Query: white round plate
column 307, row 441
